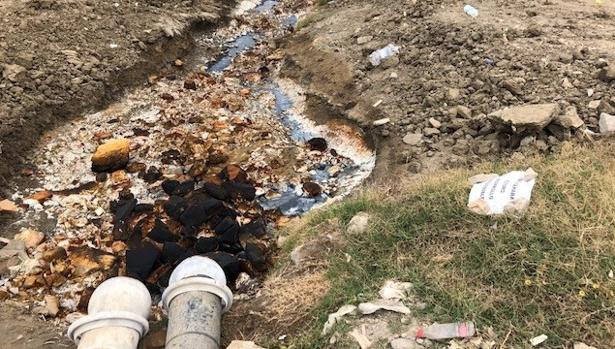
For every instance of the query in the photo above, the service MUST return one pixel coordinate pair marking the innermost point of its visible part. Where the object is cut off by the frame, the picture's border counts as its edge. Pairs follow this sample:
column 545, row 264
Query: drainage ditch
column 221, row 154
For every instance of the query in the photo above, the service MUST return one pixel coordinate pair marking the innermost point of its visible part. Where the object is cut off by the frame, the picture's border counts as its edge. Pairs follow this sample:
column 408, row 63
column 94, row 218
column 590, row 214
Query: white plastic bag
column 509, row 193
column 379, row 55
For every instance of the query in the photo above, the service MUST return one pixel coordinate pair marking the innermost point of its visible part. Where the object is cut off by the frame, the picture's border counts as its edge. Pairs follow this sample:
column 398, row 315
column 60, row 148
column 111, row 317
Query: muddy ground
column 59, row 58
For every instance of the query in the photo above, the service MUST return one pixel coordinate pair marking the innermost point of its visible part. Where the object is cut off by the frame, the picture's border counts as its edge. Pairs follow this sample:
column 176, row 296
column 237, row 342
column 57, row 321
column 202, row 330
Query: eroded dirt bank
column 59, row 58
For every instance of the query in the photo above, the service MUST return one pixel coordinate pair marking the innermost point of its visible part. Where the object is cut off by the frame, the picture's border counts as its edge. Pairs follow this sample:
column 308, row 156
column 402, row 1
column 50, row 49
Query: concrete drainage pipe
column 117, row 316
column 195, row 299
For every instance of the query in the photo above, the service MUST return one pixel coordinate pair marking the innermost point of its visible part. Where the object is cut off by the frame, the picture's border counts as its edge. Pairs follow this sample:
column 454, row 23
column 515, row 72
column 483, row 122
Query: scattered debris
column 243, row 345
column 334, row 317
column 538, row 340
column 470, row 11
column 381, row 122
column 378, row 56
column 383, row 304
column 395, row 290
column 370, row 332
column 582, row 346
column 509, row 193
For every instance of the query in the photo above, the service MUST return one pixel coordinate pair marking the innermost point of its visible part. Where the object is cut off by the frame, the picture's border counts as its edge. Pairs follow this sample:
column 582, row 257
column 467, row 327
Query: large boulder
column 531, row 116
column 111, row 156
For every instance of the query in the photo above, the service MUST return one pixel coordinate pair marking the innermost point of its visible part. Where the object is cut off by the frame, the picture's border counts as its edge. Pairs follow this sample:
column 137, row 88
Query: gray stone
column 364, row 39
column 430, row 131
column 413, row 139
column 464, row 112
column 535, row 116
column 570, row 118
column 607, row 74
column 606, row 106
column 607, row 123
column 435, row 123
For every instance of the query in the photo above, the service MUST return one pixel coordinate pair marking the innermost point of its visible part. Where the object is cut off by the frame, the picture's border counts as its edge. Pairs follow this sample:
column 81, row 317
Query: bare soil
column 60, row 57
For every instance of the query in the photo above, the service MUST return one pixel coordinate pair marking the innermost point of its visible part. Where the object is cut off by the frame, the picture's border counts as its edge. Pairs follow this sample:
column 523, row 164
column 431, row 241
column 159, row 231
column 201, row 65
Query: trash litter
column 470, row 11
column 334, row 317
column 395, row 290
column 509, row 193
column 381, row 122
column 379, row 55
column 582, row 346
column 538, row 340
column 383, row 304
column 447, row 331
column 243, row 345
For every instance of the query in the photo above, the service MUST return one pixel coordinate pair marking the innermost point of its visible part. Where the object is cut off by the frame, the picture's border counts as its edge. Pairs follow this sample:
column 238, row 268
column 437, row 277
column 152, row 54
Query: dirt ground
column 62, row 57
column 513, row 53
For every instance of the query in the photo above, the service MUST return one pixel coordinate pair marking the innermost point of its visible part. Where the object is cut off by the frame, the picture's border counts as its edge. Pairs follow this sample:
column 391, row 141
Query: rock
column 413, row 139
column 606, row 106
column 607, row 74
column 607, row 123
column 30, row 237
column 41, row 196
column 8, row 206
column 111, row 156
column 570, row 118
column 535, row 116
column 463, row 111
column 312, row 189
column 318, row 144
column 364, row 39
column 190, row 84
column 243, row 345
column 358, row 224
column 567, row 84
column 54, row 254
column 430, row 131
column 51, row 308
column 453, row 94
column 512, row 86
column 435, row 123
column 14, row 248
column 390, row 62
column 13, row 72
column 593, row 104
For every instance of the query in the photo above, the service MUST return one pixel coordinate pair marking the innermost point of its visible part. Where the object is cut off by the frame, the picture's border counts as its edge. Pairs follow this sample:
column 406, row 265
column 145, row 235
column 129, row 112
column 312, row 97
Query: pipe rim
column 107, row 319
column 200, row 284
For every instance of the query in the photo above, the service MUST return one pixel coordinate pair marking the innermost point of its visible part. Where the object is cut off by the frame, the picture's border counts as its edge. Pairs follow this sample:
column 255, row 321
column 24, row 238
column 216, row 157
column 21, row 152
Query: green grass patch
column 545, row 272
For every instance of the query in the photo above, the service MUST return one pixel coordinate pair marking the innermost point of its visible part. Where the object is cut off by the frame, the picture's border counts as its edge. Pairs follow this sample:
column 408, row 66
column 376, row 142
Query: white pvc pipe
column 117, row 316
column 195, row 299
